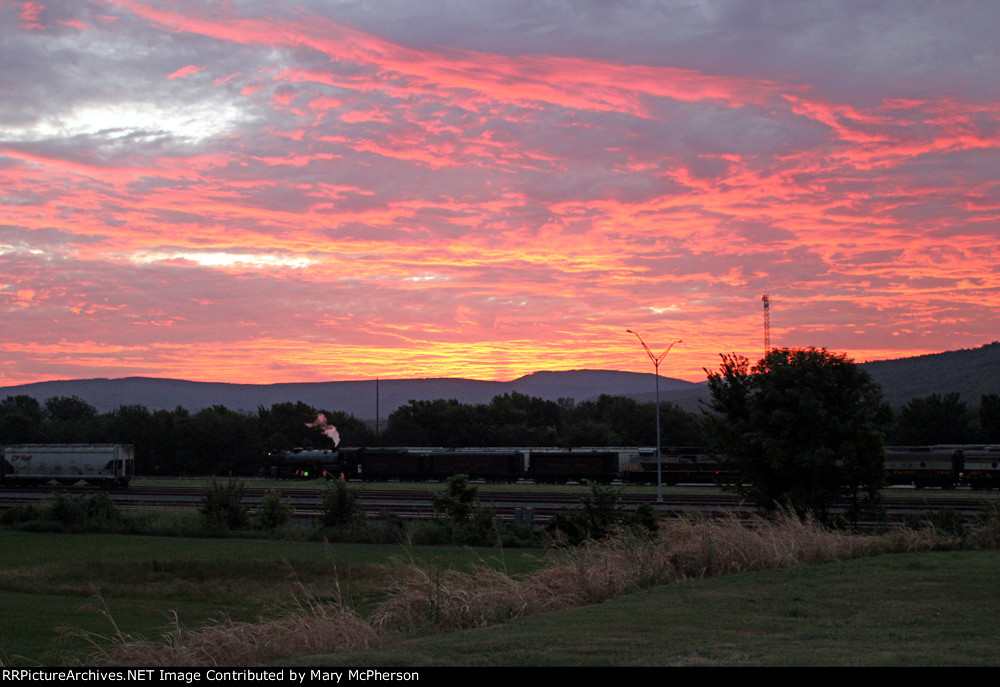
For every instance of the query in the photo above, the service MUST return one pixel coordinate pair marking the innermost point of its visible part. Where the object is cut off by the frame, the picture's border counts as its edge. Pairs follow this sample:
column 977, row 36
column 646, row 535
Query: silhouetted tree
column 803, row 428
column 20, row 420
column 933, row 419
column 435, row 423
column 989, row 417
column 286, row 425
column 70, row 420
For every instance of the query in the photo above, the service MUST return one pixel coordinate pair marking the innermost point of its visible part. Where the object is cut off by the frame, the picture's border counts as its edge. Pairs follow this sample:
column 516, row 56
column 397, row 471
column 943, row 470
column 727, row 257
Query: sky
column 317, row 190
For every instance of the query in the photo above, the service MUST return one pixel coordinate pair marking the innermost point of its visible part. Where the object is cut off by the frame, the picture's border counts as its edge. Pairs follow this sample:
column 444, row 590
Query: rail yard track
column 414, row 501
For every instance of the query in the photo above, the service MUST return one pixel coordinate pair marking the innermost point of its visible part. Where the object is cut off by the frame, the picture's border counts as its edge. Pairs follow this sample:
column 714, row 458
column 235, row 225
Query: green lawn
column 921, row 609
column 905, row 609
column 51, row 582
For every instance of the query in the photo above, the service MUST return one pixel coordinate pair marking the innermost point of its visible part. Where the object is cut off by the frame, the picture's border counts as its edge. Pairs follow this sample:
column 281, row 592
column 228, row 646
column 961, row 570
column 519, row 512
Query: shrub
column 99, row 510
column 986, row 532
column 222, row 504
column 338, row 504
column 482, row 528
column 432, row 532
column 66, row 510
column 19, row 514
column 643, row 520
column 387, row 528
column 601, row 514
column 457, row 501
column 273, row 512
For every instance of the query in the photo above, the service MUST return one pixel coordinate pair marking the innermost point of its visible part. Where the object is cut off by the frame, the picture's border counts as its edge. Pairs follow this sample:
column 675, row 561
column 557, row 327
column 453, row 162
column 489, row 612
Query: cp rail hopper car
column 107, row 465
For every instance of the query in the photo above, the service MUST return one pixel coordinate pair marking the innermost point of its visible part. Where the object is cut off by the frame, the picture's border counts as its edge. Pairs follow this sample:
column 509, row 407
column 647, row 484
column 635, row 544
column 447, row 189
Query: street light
column 656, row 366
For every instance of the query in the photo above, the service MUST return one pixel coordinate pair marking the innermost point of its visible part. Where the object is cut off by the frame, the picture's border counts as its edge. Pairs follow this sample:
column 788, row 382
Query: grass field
column 901, row 609
column 53, row 582
column 914, row 609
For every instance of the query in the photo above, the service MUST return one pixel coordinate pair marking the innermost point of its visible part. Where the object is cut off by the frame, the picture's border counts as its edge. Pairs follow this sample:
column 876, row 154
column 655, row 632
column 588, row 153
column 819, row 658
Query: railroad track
column 530, row 506
column 413, row 503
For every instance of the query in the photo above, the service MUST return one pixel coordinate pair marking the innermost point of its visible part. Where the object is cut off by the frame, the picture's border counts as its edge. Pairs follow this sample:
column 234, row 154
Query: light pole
column 656, row 367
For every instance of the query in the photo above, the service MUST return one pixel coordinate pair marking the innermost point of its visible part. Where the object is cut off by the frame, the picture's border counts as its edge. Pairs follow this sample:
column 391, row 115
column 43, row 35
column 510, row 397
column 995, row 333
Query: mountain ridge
column 970, row 372
column 358, row 398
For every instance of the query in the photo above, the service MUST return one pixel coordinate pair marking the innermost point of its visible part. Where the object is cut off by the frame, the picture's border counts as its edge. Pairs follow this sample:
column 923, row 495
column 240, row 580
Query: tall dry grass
column 453, row 600
column 421, row 602
column 323, row 630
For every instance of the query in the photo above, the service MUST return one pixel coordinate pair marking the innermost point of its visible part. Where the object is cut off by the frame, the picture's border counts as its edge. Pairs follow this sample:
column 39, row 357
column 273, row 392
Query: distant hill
column 356, row 398
column 971, row 372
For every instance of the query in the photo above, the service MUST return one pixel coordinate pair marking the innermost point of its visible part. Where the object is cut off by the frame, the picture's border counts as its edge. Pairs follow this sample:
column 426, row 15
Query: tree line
column 211, row 441
column 218, row 440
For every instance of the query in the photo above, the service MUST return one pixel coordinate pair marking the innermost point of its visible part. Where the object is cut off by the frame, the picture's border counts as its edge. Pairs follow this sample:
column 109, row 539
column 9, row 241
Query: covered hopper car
column 107, row 465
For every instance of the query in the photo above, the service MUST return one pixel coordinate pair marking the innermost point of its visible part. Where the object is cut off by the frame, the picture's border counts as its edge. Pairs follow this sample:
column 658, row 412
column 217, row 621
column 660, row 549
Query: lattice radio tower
column 767, row 324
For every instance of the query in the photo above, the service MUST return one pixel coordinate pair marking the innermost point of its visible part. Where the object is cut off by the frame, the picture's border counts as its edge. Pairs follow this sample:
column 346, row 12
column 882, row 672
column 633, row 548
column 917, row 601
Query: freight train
column 975, row 466
column 945, row 467
column 106, row 465
column 422, row 464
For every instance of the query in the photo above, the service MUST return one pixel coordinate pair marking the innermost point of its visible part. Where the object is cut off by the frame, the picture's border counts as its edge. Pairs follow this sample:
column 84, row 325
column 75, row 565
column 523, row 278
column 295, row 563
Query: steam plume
column 326, row 428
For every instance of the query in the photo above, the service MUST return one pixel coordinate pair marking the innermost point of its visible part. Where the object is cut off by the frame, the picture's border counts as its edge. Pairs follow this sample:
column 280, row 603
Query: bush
column 600, row 516
column 99, row 510
column 457, row 501
column 19, row 514
column 387, row 528
column 222, row 505
column 481, row 529
column 67, row 511
column 986, row 532
column 432, row 532
column 338, row 504
column 64, row 513
column 273, row 512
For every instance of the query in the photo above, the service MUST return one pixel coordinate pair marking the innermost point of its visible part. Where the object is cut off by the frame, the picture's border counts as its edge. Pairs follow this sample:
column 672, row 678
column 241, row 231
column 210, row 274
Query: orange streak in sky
column 431, row 270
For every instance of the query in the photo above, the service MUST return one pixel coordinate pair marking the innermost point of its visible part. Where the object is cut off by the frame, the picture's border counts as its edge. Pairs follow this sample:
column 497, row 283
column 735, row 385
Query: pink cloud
column 185, row 72
column 30, row 14
column 362, row 205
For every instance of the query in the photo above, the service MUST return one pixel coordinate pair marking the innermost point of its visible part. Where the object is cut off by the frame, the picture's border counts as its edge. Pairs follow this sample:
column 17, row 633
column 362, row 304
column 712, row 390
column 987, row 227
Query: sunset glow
column 312, row 190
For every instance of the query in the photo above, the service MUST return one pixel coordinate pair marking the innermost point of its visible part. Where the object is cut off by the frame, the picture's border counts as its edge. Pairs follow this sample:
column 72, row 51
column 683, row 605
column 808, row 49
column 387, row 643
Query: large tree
column 803, row 428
